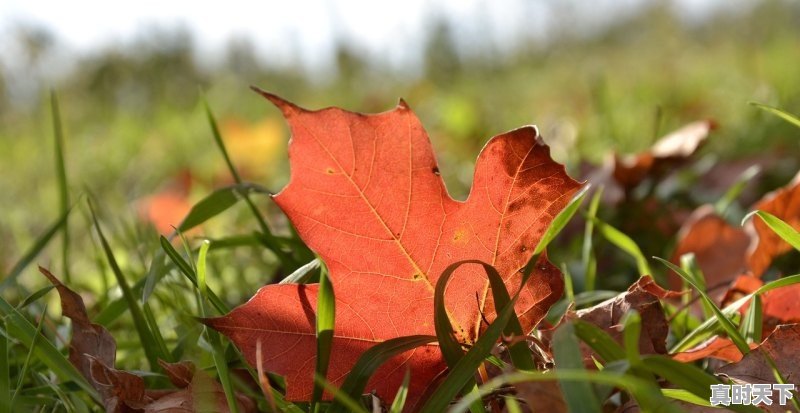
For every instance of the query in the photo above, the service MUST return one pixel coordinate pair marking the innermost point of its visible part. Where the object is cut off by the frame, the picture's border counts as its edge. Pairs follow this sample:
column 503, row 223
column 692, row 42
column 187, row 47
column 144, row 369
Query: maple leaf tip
column 402, row 104
column 284, row 105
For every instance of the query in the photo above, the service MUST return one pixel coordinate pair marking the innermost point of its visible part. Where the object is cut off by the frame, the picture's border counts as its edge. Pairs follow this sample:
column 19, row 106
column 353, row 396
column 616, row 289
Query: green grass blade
column 588, row 257
column 722, row 205
column 784, row 230
column 684, row 375
column 189, row 272
column 24, row 369
column 462, row 373
column 561, row 220
column 631, row 330
column 63, row 188
column 512, row 405
column 369, row 362
column 22, row 330
column 569, row 290
column 625, row 243
column 286, row 259
column 201, row 268
column 212, row 205
column 708, row 325
column 212, row 122
column 5, row 378
column 779, row 113
column 780, row 379
column 519, row 352
column 402, row 393
column 579, row 395
column 35, row 296
column 558, row 223
column 687, row 377
column 326, row 319
column 451, row 348
column 34, row 250
column 221, row 363
column 690, row 267
column 218, row 349
column 303, row 274
column 117, row 307
column 685, row 396
column 647, row 394
column 726, row 324
column 340, row 397
column 218, row 202
column 147, row 336
column 753, row 321
column 448, row 344
column 600, row 341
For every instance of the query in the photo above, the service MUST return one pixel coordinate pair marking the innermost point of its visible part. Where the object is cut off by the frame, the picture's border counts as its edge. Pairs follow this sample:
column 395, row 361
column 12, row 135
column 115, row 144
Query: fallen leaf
column 93, row 351
column 630, row 171
column 253, row 148
column 180, row 374
column 778, row 306
column 201, row 393
column 643, row 296
column 741, row 286
column 784, row 204
column 781, row 306
column 366, row 194
column 755, row 367
column 88, row 339
column 719, row 248
column 716, row 347
column 542, row 396
column 120, row 390
column 169, row 206
column 781, row 347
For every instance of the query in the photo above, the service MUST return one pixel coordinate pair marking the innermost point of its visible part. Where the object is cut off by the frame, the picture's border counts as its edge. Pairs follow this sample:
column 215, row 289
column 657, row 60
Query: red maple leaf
column 365, row 193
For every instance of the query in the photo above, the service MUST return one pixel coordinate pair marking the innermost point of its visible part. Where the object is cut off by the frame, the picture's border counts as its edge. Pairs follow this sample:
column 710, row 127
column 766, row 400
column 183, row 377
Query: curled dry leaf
column 784, row 204
column 630, row 171
column 366, row 194
column 87, row 338
column 93, row 352
column 120, row 390
column 643, row 296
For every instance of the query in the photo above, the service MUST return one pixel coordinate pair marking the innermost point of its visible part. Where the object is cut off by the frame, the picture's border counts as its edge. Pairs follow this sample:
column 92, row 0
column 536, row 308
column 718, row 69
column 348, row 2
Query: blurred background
column 610, row 78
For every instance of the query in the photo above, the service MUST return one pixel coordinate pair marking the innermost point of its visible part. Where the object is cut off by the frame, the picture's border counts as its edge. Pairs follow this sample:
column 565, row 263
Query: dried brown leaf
column 643, row 296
